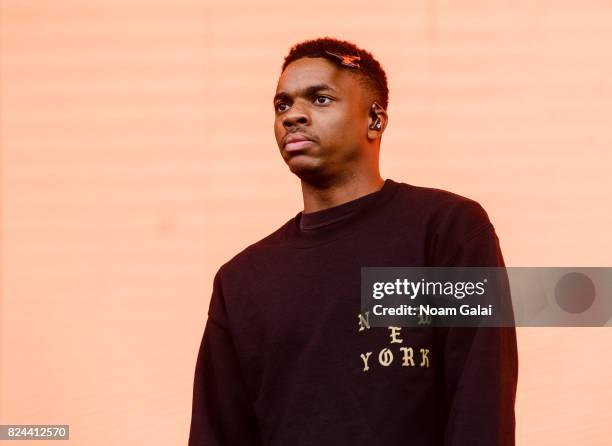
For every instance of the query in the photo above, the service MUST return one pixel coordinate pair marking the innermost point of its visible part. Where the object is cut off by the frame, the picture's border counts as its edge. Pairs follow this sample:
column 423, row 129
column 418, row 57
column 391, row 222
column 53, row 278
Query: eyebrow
column 308, row 91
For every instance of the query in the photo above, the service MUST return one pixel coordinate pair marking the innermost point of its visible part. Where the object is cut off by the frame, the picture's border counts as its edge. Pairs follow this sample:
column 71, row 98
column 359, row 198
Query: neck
column 333, row 193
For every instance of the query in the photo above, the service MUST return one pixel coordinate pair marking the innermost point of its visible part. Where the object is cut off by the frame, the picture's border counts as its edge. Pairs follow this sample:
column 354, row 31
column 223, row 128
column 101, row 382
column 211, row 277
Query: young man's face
column 325, row 105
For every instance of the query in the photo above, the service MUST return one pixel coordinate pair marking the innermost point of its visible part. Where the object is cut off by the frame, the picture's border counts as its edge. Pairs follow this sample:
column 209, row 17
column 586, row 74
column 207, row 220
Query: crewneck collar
column 337, row 221
column 315, row 220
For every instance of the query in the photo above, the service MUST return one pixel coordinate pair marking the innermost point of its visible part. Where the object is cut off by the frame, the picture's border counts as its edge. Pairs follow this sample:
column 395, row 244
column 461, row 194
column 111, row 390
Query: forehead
column 307, row 71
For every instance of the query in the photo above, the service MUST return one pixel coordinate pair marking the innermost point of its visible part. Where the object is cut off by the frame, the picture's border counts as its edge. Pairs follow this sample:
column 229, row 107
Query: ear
column 377, row 121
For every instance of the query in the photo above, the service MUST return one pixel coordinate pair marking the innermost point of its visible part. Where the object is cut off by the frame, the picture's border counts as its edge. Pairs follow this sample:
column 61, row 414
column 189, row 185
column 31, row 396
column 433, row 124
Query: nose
column 296, row 115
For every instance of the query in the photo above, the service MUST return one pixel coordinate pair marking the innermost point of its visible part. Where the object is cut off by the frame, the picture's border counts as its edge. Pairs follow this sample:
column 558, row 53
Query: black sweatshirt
column 284, row 360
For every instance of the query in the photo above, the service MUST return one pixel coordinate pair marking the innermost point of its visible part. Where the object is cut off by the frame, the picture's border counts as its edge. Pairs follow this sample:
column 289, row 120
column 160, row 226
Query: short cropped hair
column 364, row 64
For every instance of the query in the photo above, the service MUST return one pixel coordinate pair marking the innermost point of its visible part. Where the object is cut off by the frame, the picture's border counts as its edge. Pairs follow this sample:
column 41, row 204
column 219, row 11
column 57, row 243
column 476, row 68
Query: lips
column 296, row 141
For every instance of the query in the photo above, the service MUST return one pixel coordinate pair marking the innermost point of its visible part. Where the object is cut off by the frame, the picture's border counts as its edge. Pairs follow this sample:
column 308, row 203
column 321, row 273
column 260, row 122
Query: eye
column 324, row 98
column 278, row 106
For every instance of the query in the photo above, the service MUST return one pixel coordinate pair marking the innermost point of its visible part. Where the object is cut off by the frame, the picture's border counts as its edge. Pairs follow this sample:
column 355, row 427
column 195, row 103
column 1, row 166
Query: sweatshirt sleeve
column 480, row 363
column 222, row 413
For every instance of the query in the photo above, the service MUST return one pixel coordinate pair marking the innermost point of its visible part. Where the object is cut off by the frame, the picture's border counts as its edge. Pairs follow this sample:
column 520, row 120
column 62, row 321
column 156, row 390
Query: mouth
column 298, row 145
column 295, row 142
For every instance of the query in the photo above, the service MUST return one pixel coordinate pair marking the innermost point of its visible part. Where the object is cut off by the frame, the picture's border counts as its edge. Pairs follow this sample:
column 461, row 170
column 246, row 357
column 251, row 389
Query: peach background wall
column 138, row 156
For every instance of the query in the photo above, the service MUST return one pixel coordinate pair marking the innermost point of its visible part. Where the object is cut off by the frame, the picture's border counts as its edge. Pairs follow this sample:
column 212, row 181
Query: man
column 286, row 358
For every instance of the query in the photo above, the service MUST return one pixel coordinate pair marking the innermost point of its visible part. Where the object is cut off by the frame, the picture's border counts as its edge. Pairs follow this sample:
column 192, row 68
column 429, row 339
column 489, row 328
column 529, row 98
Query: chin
column 308, row 169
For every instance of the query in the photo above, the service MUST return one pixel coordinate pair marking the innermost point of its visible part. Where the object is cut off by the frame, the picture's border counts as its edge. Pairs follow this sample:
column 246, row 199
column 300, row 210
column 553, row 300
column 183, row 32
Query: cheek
column 334, row 122
column 343, row 127
column 278, row 130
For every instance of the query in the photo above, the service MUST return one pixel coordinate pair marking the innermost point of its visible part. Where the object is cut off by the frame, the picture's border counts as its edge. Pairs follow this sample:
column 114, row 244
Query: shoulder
column 448, row 224
column 442, row 210
column 259, row 252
